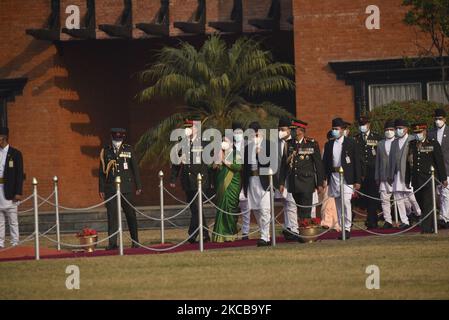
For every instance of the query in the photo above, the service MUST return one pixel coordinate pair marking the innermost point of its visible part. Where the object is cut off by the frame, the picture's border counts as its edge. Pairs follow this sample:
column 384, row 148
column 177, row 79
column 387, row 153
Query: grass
column 411, row 267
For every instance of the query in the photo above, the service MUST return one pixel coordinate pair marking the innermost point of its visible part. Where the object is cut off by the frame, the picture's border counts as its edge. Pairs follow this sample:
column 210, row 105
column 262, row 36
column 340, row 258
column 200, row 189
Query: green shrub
column 412, row 111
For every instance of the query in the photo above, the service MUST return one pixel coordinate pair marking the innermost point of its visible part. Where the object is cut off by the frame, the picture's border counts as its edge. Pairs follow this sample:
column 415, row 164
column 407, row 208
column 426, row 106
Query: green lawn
column 411, row 267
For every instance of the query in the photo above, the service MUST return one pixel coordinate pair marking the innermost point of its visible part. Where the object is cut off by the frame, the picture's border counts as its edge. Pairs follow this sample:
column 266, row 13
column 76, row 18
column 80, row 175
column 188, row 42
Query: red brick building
column 69, row 89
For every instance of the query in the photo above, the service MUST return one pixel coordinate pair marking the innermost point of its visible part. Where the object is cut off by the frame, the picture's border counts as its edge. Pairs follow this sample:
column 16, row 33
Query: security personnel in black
column 191, row 165
column 424, row 153
column 303, row 168
column 117, row 159
column 367, row 142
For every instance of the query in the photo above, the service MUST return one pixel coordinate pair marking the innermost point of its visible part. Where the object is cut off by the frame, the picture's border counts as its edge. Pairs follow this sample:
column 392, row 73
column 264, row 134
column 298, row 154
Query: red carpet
column 27, row 253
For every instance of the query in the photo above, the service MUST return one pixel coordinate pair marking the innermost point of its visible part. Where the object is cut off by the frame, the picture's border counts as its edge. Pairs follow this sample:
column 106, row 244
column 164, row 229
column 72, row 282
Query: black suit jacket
column 264, row 179
column 352, row 170
column 13, row 174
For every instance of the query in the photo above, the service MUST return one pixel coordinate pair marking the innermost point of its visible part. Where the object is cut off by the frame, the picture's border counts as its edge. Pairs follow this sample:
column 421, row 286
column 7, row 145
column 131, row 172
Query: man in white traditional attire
column 257, row 163
column 397, row 169
column 342, row 152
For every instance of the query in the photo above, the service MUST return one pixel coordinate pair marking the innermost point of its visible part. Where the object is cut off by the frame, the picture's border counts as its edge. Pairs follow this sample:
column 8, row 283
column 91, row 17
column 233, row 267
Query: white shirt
column 336, row 152
column 388, row 143
column 3, row 156
column 440, row 134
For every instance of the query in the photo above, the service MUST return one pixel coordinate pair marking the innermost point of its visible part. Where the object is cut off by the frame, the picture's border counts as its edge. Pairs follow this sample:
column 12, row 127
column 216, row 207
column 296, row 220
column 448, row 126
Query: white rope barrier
column 165, row 219
column 224, row 211
column 44, row 200
column 394, row 200
column 80, row 245
column 174, row 197
column 79, row 209
column 396, row 233
column 43, row 234
column 29, row 238
column 163, row 249
column 19, row 203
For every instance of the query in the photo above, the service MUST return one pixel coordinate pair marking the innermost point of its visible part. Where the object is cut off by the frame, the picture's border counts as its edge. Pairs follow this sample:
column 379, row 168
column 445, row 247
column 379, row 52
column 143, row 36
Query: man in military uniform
column 302, row 168
column 192, row 164
column 367, row 141
column 117, row 160
column 425, row 153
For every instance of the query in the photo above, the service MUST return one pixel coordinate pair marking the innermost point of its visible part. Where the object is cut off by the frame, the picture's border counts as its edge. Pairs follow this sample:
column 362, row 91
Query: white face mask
column 283, row 134
column 188, row 131
column 400, row 132
column 225, row 145
column 439, row 123
column 117, row 143
column 420, row 136
column 363, row 129
column 238, row 137
column 389, row 134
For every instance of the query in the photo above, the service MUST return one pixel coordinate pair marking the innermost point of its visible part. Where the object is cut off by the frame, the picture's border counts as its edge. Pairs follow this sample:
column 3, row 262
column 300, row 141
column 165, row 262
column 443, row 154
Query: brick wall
column 335, row 30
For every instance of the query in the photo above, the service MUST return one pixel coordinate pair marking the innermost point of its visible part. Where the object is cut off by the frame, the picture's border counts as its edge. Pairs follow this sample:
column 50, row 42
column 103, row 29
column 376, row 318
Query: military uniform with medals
column 303, row 170
column 119, row 162
column 422, row 156
column 367, row 144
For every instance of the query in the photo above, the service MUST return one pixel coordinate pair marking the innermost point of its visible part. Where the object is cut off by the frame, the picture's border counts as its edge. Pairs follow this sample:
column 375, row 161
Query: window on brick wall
column 435, row 92
column 381, row 94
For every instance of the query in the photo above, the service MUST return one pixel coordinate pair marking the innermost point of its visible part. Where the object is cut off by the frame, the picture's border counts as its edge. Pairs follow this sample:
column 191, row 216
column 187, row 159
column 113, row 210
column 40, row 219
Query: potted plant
column 309, row 229
column 88, row 238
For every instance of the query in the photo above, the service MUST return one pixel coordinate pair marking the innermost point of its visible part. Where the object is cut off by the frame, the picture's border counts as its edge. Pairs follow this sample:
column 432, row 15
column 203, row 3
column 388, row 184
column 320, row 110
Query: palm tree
column 216, row 82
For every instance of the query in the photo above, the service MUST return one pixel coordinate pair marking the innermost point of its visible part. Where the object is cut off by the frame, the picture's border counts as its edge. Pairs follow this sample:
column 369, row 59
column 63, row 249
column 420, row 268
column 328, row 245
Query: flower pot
column 89, row 243
column 309, row 234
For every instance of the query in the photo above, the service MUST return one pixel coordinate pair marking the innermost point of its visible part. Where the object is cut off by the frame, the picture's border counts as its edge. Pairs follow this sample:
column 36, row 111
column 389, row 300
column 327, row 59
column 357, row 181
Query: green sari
column 228, row 186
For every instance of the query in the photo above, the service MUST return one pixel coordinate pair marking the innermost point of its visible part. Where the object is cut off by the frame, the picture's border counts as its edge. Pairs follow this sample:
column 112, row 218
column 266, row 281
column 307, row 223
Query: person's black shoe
column 387, row 225
column 404, row 226
column 112, row 247
column 263, row 243
column 442, row 224
column 135, row 245
column 245, row 237
column 371, row 226
column 347, row 234
column 290, row 235
column 192, row 240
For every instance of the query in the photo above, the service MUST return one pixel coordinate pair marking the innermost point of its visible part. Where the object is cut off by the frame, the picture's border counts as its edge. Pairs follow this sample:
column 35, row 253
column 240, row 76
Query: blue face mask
column 336, row 133
column 420, row 137
column 400, row 132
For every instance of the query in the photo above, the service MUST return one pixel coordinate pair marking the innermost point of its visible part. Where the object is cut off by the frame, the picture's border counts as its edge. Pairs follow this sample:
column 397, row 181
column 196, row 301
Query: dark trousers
column 425, row 201
column 130, row 214
column 370, row 188
column 304, row 199
column 194, row 218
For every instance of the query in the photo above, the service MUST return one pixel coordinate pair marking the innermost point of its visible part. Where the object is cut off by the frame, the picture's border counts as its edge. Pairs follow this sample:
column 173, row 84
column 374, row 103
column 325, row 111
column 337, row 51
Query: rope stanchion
column 118, row 181
column 58, row 233
column 36, row 221
column 273, row 219
column 64, row 244
column 434, row 200
column 161, row 195
column 342, row 198
column 200, row 210
column 164, row 249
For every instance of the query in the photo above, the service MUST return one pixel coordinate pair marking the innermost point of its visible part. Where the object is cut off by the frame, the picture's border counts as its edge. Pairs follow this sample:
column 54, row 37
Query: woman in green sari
column 228, row 186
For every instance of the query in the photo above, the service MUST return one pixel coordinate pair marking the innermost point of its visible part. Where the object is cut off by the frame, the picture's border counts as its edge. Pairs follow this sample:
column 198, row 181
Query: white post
column 273, row 220
column 58, row 234
column 434, row 199
column 200, row 210
column 396, row 223
column 118, row 181
column 36, row 221
column 342, row 197
column 161, row 187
